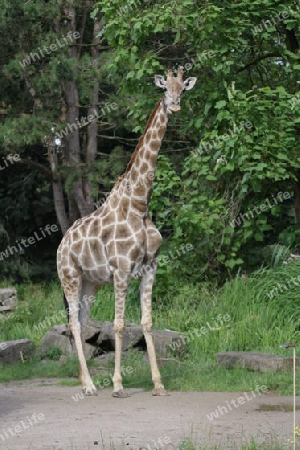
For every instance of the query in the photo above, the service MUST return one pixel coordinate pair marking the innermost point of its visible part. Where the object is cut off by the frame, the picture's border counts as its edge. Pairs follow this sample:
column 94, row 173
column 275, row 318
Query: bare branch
column 257, row 60
column 38, row 166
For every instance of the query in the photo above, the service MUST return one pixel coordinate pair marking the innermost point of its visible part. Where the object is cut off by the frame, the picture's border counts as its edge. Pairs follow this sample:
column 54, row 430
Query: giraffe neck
column 141, row 168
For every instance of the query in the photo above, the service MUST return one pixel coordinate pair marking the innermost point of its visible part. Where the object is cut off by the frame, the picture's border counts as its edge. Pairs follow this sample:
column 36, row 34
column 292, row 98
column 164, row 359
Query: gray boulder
column 13, row 351
column 61, row 337
column 8, row 299
column 133, row 337
column 262, row 362
column 93, row 330
column 100, row 339
column 168, row 342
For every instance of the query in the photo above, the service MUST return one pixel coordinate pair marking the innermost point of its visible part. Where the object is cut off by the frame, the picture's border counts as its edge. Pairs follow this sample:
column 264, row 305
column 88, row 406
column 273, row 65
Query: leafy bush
column 53, row 353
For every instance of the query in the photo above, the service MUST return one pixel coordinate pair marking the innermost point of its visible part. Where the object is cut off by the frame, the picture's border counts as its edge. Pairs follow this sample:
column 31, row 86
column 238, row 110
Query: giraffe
column 118, row 242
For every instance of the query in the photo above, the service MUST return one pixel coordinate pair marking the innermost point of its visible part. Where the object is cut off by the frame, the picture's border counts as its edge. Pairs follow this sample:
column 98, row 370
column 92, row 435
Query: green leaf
column 220, row 104
column 177, row 37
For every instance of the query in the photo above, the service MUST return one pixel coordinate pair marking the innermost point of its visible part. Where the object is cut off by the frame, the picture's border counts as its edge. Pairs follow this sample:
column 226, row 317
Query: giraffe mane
column 139, row 144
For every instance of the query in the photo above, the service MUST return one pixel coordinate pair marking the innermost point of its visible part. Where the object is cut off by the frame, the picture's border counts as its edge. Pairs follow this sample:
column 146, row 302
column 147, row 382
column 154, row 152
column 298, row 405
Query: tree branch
column 38, row 166
column 257, row 60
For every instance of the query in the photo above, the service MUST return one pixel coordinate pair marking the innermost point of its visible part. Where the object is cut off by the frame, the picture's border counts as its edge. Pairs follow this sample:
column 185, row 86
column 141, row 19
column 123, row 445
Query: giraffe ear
column 189, row 83
column 160, row 81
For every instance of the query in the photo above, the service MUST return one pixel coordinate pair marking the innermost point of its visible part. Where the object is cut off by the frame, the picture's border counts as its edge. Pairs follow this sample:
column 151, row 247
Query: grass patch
column 244, row 315
column 272, row 443
column 36, row 303
column 69, row 382
column 35, row 368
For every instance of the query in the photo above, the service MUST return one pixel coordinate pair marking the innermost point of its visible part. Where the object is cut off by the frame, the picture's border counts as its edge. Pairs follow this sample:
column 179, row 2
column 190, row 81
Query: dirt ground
column 42, row 415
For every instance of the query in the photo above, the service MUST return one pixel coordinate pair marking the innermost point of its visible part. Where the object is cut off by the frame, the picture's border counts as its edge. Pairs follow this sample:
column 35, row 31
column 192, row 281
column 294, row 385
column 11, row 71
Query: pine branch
column 38, row 166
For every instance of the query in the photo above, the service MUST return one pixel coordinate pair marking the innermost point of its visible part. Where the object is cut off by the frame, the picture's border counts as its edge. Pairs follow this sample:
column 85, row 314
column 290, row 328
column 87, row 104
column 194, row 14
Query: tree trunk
column 296, row 185
column 58, row 194
column 92, row 129
column 72, row 141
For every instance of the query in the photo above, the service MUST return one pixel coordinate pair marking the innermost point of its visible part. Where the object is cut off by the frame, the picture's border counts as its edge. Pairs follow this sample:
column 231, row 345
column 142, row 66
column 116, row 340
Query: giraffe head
column 174, row 88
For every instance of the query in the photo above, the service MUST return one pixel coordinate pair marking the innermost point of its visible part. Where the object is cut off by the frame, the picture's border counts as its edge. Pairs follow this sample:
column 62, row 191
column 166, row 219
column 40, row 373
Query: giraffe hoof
column 159, row 392
column 89, row 391
column 120, row 394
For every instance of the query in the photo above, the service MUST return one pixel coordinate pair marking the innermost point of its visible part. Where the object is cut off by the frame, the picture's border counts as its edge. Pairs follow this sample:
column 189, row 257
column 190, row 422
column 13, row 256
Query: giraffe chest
column 104, row 246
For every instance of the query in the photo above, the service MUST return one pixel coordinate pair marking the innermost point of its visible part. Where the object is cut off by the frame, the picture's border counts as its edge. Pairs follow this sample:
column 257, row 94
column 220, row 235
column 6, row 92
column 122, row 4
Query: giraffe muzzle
column 174, row 108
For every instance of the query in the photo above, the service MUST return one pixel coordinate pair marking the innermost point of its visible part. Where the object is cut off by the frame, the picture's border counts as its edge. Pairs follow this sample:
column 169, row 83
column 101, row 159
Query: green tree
column 240, row 126
column 52, row 62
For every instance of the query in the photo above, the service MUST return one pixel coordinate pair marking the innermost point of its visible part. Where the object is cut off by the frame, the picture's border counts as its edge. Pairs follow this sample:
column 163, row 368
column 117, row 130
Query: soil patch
column 43, row 415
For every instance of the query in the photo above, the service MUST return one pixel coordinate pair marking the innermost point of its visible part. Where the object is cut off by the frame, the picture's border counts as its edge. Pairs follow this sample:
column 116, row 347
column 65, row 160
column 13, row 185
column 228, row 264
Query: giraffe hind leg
column 87, row 298
column 146, row 305
column 66, row 307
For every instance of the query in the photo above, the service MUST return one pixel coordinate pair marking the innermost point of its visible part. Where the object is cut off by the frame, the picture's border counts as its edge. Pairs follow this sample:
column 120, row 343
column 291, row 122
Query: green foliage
column 244, row 134
column 165, row 195
column 53, row 353
column 244, row 177
column 36, row 303
column 232, row 148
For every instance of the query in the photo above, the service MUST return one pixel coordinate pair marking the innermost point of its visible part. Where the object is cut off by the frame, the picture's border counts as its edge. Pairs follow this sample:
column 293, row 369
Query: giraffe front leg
column 146, row 305
column 121, row 282
column 88, row 386
column 87, row 298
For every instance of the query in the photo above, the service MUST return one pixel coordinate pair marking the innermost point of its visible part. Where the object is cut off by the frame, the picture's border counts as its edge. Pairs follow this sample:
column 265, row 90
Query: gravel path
column 42, row 415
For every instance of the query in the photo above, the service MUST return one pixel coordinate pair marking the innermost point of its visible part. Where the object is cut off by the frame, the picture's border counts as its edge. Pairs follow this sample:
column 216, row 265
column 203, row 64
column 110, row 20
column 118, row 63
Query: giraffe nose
column 175, row 106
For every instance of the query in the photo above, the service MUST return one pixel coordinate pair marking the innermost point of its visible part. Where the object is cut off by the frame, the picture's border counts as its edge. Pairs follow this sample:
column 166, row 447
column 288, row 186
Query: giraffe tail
column 66, row 307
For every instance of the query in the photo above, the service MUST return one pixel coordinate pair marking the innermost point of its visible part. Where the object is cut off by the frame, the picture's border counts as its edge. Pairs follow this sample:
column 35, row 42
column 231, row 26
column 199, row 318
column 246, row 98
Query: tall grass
column 242, row 316
column 36, row 302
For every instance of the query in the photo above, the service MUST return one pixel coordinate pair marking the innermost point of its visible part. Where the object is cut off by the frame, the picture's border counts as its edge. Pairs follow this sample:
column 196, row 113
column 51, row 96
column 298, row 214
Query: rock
column 10, row 350
column 62, row 329
column 6, row 293
column 8, row 299
column 6, row 308
column 60, row 336
column 54, row 339
column 167, row 342
column 133, row 337
column 63, row 360
column 106, row 337
column 106, row 359
column 262, row 362
column 100, row 339
column 93, row 330
column 164, row 341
